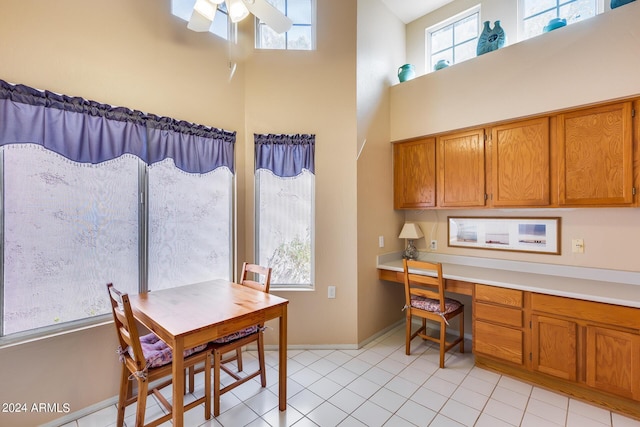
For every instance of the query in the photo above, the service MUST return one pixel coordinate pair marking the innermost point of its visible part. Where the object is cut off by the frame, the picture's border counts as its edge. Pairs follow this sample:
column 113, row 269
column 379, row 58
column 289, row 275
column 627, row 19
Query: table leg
column 178, row 383
column 282, row 368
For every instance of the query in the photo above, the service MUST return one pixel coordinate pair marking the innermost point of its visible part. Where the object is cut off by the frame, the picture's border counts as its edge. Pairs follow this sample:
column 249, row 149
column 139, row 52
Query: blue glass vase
column 406, row 72
column 617, row 3
column 491, row 38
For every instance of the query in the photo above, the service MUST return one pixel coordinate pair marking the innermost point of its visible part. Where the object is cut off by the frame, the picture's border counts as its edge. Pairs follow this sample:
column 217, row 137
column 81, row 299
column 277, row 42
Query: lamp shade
column 410, row 231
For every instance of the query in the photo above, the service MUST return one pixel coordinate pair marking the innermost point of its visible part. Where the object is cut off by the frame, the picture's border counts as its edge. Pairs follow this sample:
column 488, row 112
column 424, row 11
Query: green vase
column 406, row 72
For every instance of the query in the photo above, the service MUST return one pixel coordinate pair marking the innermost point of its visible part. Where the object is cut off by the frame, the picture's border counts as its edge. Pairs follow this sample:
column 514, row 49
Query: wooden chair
column 146, row 360
column 424, row 297
column 255, row 277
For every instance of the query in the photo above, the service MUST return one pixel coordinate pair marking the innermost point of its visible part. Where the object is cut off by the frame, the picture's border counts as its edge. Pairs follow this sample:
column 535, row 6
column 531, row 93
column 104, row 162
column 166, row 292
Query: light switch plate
column 577, row 246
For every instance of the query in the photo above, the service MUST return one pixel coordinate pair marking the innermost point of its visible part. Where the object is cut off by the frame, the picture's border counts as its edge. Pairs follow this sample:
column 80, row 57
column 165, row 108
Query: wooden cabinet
column 414, row 169
column 613, row 361
column 581, row 157
column 595, row 156
column 554, row 347
column 591, row 344
column 520, row 164
column 461, row 169
column 498, row 323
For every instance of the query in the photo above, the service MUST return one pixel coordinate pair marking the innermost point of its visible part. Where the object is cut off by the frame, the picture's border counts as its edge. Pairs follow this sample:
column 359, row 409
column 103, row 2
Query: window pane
column 299, row 11
column 466, row 29
column 299, row 38
column 531, row 7
column 269, row 39
column 578, row 10
column 466, row 51
column 535, row 25
column 442, row 39
column 70, row 229
column 189, row 225
column 285, row 224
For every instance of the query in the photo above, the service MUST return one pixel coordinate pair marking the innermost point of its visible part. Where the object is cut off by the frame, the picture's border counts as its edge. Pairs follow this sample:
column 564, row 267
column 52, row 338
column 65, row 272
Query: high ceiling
column 410, row 10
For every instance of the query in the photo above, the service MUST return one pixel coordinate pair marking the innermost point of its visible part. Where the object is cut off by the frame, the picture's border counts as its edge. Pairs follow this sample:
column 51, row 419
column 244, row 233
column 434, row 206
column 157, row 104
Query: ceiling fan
column 205, row 10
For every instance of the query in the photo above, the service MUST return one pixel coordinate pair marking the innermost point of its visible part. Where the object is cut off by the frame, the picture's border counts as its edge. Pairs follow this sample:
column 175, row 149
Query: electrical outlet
column 434, row 245
column 331, row 293
column 381, row 241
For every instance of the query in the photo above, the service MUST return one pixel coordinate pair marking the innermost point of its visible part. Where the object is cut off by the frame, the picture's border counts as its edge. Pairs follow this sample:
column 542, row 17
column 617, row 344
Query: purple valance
column 89, row 132
column 285, row 155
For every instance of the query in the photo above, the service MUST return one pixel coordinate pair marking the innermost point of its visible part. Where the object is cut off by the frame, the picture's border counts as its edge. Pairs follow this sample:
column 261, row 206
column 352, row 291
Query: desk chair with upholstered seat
column 424, row 298
column 148, row 359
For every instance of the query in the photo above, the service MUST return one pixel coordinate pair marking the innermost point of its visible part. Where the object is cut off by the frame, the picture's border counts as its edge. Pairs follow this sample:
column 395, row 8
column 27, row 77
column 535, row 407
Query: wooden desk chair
column 424, row 297
column 148, row 359
column 255, row 277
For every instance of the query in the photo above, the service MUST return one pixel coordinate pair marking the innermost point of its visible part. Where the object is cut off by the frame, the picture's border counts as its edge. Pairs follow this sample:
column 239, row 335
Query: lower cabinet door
column 554, row 346
column 613, row 361
column 498, row 342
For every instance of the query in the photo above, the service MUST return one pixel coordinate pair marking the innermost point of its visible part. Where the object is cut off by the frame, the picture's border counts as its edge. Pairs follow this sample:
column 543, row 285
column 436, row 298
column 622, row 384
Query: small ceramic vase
column 406, row 72
column 443, row 63
column 491, row 38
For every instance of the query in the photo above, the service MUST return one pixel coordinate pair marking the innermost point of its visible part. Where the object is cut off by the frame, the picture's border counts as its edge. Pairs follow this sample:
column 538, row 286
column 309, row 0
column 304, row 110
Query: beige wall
column 315, row 92
column 381, row 42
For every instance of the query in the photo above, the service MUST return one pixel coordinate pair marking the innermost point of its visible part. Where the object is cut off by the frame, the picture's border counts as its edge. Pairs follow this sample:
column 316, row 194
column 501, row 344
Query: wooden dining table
column 190, row 315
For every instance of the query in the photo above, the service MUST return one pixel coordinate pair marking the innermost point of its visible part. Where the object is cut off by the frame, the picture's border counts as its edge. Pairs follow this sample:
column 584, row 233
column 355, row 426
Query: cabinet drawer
column 498, row 314
column 498, row 342
column 503, row 296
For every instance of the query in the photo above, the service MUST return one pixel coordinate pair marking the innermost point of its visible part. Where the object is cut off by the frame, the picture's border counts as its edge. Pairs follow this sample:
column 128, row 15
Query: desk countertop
column 601, row 285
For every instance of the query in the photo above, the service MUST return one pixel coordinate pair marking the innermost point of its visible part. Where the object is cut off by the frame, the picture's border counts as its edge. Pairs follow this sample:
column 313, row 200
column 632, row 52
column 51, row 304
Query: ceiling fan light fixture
column 206, row 8
column 237, row 10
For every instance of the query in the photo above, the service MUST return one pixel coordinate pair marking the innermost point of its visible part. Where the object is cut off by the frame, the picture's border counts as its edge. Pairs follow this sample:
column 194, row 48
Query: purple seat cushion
column 433, row 305
column 157, row 353
column 236, row 335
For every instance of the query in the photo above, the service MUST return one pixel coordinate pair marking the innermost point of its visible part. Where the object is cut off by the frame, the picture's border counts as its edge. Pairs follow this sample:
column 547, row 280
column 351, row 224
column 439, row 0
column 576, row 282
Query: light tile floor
column 379, row 385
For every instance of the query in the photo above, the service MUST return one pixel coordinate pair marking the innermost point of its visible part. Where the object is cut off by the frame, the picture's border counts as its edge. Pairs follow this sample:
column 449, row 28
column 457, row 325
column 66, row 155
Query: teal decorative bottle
column 406, row 72
column 491, row 38
column 617, row 3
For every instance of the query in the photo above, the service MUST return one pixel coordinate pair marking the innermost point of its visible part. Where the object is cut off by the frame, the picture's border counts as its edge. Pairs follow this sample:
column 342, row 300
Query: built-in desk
column 574, row 330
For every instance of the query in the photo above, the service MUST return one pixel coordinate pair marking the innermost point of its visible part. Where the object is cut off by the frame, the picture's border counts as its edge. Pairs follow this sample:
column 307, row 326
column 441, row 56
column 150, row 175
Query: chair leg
column 143, row 387
column 462, row 332
column 263, row 372
column 443, row 342
column 239, row 358
column 408, row 334
column 122, row 397
column 192, row 377
column 207, row 388
column 216, row 382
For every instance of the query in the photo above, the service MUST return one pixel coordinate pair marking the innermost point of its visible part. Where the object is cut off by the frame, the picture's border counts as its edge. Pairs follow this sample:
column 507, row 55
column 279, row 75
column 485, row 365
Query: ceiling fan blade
column 268, row 14
column 199, row 23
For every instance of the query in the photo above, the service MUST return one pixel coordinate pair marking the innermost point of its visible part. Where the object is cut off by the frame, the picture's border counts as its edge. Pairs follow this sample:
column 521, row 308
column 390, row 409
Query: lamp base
column 411, row 252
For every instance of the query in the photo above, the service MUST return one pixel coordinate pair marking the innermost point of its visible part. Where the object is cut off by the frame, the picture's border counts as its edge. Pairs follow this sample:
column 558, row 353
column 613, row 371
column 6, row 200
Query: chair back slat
column 126, row 327
column 422, row 278
column 256, row 277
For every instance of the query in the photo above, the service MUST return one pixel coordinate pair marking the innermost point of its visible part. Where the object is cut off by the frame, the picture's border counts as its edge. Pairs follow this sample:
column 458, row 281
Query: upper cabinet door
column 461, row 169
column 520, row 163
column 414, row 174
column 595, row 156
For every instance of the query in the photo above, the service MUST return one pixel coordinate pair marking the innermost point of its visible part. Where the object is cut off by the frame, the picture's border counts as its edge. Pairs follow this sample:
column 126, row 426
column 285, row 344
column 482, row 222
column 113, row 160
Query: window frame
column 312, row 25
column 451, row 21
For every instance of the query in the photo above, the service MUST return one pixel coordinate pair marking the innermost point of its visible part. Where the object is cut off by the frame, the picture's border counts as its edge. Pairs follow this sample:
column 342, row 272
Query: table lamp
column 410, row 232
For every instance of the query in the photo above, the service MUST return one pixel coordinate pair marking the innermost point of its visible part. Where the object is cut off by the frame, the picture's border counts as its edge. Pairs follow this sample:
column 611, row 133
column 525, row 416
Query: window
column 285, row 206
column 93, row 194
column 299, row 37
column 454, row 40
column 535, row 14
column 221, row 26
